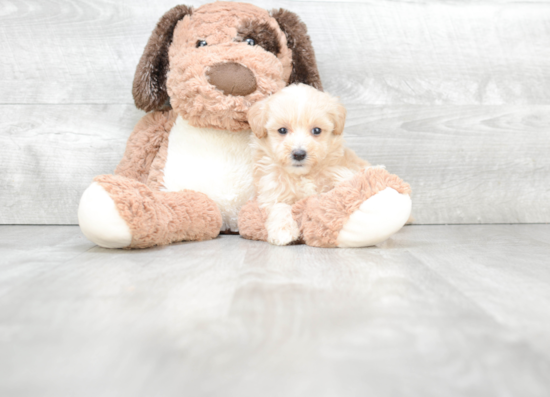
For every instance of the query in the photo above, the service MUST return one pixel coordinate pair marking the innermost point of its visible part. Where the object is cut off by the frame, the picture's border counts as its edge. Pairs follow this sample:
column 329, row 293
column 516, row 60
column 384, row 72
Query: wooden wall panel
column 50, row 154
column 452, row 95
column 377, row 52
column 466, row 164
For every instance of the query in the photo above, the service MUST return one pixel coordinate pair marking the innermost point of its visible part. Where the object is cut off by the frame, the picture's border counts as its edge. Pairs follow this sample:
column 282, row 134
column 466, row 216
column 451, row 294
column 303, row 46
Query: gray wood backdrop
column 454, row 96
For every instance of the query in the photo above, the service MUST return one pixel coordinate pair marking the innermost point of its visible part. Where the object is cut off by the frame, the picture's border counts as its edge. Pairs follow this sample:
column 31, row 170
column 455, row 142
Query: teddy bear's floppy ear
column 149, row 89
column 257, row 118
column 304, row 65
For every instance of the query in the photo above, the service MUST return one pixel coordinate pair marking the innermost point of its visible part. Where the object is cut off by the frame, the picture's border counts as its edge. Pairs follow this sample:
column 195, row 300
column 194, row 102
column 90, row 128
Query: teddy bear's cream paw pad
column 100, row 221
column 376, row 220
column 281, row 227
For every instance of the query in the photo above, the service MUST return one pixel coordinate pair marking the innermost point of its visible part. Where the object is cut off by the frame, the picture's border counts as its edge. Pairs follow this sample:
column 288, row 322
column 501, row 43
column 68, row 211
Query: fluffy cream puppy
column 298, row 151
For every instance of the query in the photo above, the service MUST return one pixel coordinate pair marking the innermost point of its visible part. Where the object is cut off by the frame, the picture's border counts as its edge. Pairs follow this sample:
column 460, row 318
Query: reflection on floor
column 434, row 311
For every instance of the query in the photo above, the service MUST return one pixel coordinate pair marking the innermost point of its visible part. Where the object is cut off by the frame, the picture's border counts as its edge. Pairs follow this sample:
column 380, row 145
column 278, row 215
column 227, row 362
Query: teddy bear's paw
column 100, row 221
column 281, row 227
column 376, row 219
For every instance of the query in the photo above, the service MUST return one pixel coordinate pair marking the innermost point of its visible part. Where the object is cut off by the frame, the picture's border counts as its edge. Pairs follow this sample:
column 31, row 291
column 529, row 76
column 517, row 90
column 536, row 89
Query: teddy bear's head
column 213, row 63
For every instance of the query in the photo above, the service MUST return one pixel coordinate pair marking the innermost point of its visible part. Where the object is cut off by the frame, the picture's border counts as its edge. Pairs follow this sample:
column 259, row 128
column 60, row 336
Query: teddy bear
column 186, row 173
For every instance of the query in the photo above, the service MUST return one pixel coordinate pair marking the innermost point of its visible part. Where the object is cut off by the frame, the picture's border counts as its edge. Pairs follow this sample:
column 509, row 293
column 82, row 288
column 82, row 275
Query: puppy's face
column 298, row 127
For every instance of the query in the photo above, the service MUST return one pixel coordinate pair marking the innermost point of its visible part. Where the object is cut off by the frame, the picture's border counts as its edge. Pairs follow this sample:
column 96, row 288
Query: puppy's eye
column 282, row 131
column 316, row 131
column 250, row 41
column 201, row 43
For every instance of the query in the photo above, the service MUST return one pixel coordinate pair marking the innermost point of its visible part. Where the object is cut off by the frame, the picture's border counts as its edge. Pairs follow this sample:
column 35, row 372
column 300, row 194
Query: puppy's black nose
column 299, row 155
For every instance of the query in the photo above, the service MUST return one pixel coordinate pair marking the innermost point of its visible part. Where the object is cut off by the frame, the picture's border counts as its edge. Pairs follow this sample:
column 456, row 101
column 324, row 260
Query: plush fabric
column 149, row 87
column 232, row 79
column 100, row 220
column 321, row 217
column 178, row 75
column 204, row 105
column 215, row 162
column 264, row 34
column 160, row 218
column 199, row 63
column 252, row 221
column 172, row 65
column 143, row 145
column 304, row 64
column 380, row 216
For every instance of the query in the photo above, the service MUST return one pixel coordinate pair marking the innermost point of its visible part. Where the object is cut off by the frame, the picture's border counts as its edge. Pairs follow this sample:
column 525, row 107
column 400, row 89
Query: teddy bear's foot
column 360, row 212
column 376, row 220
column 117, row 212
column 100, row 221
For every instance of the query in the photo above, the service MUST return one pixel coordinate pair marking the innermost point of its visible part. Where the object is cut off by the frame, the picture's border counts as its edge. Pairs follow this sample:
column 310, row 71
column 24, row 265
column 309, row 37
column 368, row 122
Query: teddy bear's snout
column 232, row 78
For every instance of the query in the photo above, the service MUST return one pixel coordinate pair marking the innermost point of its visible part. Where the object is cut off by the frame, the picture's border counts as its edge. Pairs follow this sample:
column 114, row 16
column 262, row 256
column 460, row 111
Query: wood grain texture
column 451, row 95
column 434, row 311
column 466, row 164
column 372, row 52
column 50, row 153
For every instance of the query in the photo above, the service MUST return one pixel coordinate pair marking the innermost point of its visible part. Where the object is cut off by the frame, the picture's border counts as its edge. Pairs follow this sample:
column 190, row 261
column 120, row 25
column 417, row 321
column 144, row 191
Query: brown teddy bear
column 187, row 169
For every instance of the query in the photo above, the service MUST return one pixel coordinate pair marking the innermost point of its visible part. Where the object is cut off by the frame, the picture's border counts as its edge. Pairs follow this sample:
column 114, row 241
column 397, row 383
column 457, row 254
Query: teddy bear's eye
column 316, row 131
column 201, row 43
column 250, row 41
column 282, row 131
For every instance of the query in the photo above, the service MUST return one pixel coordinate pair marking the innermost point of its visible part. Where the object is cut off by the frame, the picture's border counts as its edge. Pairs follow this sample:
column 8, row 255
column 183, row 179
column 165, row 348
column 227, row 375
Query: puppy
column 298, row 151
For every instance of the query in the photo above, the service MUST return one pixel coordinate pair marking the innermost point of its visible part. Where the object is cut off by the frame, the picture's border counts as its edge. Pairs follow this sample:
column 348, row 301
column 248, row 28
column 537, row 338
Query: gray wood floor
column 435, row 311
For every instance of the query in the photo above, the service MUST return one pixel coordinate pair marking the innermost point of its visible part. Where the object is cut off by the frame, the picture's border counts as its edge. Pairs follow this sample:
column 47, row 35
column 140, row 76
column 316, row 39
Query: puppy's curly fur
column 298, row 152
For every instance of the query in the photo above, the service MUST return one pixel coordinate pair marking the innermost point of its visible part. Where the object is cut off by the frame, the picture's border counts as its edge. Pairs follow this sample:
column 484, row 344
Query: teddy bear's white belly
column 214, row 162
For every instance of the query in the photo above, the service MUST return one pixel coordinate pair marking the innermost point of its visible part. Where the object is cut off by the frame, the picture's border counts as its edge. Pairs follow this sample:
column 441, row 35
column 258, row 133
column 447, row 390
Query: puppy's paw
column 281, row 227
column 284, row 236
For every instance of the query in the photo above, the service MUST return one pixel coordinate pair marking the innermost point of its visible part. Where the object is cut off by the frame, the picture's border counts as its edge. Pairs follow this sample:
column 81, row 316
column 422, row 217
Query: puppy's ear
column 149, row 88
column 257, row 118
column 304, row 65
column 339, row 118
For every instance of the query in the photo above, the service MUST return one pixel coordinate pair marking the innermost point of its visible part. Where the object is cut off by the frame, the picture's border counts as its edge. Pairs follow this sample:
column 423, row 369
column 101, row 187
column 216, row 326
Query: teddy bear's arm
column 144, row 143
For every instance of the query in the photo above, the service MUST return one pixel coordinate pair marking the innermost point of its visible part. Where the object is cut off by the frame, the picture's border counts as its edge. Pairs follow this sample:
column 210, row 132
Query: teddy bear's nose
column 232, row 78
